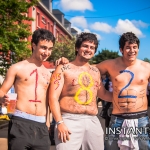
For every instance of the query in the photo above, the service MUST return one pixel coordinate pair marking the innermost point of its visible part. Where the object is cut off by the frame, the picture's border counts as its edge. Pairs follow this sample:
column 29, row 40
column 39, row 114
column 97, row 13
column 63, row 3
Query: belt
column 135, row 115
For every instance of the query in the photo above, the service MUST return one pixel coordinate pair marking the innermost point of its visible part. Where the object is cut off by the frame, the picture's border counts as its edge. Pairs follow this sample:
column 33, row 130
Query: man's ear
column 33, row 46
column 76, row 51
column 121, row 51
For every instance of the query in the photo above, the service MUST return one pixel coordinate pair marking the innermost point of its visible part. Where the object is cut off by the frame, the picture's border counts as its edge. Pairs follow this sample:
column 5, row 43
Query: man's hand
column 5, row 100
column 63, row 132
column 62, row 61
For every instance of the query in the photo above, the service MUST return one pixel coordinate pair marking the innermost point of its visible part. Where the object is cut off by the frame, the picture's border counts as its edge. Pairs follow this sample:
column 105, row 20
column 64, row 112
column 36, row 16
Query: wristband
column 59, row 122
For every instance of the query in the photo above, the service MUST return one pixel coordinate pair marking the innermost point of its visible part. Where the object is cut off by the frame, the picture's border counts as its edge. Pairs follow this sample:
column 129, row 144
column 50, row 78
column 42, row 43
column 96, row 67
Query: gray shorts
column 86, row 132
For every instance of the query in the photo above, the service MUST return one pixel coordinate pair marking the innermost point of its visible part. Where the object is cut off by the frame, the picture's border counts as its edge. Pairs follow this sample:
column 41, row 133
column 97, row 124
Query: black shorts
column 24, row 134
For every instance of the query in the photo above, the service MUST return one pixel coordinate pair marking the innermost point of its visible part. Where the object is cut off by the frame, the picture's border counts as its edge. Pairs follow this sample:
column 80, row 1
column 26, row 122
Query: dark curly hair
column 86, row 37
column 128, row 37
column 42, row 34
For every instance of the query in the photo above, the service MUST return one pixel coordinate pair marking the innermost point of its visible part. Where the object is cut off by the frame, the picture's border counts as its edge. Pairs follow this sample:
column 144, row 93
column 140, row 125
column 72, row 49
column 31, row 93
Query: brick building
column 47, row 18
column 51, row 19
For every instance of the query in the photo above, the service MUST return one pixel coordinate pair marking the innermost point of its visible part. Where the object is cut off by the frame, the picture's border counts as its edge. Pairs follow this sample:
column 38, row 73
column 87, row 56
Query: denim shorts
column 111, row 139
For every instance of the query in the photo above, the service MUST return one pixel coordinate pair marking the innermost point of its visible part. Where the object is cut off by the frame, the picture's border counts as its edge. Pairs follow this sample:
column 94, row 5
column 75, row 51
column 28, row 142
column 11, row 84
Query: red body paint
column 57, row 78
column 74, row 82
column 36, row 84
column 97, row 84
column 35, row 101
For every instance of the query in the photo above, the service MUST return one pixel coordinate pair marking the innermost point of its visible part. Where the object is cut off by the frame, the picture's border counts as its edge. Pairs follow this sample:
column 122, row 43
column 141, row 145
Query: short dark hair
column 42, row 34
column 128, row 37
column 86, row 37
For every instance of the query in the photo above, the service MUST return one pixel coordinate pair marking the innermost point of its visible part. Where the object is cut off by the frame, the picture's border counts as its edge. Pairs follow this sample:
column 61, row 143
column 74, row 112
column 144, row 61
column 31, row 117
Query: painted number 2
column 127, row 96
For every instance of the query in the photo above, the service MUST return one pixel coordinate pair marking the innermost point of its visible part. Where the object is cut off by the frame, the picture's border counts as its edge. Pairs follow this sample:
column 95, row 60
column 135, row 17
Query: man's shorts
column 24, row 134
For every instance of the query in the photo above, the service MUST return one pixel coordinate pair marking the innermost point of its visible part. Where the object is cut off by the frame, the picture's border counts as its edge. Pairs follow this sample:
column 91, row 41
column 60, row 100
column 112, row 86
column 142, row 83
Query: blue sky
column 109, row 19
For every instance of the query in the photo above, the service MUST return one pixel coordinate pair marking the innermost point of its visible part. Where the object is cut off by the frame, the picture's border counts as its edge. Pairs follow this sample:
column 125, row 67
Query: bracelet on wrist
column 59, row 122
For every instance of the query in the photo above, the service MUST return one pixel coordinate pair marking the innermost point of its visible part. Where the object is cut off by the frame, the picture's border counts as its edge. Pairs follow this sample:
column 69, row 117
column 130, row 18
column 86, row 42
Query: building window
column 51, row 28
column 38, row 19
column 43, row 20
column 57, row 35
column 48, row 26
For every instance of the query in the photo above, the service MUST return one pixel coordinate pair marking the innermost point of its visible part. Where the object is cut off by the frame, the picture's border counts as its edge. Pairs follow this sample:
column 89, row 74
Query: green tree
column 63, row 48
column 146, row 59
column 104, row 55
column 14, row 31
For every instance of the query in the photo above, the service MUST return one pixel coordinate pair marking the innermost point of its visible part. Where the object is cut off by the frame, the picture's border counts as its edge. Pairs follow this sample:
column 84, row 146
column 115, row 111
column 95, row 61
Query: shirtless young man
column 130, row 77
column 72, row 97
column 27, row 127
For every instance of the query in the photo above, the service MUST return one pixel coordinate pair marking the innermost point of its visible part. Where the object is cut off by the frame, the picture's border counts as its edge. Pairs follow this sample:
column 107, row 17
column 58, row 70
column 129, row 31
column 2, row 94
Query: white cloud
column 87, row 30
column 77, row 29
column 79, row 21
column 98, row 36
column 127, row 26
column 76, row 5
column 140, row 23
column 101, row 26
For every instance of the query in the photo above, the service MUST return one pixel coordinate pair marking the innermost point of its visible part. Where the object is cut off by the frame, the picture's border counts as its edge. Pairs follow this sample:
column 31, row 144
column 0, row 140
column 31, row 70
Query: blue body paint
column 127, row 96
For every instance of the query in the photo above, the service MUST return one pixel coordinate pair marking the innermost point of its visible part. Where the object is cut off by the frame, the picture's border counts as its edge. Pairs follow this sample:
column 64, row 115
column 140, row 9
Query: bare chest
column 33, row 77
column 82, row 80
column 127, row 77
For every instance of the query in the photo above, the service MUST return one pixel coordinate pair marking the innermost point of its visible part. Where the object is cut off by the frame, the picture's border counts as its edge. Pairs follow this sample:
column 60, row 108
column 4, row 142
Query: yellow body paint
column 83, row 87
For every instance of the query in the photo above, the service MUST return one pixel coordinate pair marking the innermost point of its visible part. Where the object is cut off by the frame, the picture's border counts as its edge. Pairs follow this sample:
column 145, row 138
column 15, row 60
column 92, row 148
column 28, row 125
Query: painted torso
column 31, row 84
column 129, row 87
column 80, row 89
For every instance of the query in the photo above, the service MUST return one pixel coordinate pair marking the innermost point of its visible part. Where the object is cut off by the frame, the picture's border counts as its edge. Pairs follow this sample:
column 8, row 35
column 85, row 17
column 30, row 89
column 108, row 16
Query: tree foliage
column 63, row 48
column 146, row 59
column 14, row 31
column 104, row 55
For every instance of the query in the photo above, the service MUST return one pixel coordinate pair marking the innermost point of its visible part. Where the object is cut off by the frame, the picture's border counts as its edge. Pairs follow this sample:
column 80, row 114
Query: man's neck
column 129, row 63
column 35, row 61
column 82, row 62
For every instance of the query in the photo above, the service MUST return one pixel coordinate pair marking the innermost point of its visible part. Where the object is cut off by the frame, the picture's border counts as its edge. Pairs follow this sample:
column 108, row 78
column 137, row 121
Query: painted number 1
column 36, row 83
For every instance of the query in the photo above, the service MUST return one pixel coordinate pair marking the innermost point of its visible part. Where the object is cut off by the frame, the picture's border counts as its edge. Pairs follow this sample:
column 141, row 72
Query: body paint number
column 36, row 83
column 128, row 84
